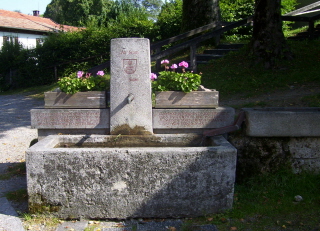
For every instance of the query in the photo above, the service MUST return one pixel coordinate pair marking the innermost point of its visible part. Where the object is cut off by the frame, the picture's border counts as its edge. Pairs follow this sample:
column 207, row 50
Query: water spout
column 130, row 98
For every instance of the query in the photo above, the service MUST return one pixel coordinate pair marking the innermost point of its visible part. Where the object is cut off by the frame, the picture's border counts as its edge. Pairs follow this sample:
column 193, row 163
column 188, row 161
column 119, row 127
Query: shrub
column 169, row 20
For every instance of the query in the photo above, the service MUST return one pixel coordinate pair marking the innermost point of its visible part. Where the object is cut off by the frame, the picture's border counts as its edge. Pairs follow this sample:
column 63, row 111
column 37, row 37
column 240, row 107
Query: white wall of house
column 27, row 40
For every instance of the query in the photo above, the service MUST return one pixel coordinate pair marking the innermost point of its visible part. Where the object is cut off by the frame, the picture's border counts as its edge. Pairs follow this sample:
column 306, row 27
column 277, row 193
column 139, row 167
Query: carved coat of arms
column 129, row 65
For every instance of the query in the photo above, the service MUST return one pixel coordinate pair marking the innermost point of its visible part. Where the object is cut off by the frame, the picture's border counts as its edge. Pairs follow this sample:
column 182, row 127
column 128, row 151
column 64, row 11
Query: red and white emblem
column 129, row 65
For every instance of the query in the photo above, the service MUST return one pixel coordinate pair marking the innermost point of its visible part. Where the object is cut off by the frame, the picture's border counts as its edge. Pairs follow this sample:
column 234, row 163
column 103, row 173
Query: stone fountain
column 142, row 168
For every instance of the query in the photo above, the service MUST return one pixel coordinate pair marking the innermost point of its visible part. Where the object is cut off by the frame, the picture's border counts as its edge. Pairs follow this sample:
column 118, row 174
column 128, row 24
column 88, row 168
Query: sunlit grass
column 237, row 74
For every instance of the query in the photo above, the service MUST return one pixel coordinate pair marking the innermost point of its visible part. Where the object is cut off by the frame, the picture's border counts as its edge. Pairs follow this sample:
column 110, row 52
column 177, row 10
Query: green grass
column 236, row 73
column 267, row 202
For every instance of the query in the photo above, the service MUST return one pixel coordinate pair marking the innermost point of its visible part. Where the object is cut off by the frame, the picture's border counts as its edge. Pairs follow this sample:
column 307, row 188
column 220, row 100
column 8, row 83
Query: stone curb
column 9, row 220
column 164, row 225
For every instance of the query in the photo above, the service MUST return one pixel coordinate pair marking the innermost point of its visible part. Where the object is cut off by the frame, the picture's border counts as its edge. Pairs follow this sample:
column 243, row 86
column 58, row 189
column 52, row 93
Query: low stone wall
column 283, row 122
column 273, row 138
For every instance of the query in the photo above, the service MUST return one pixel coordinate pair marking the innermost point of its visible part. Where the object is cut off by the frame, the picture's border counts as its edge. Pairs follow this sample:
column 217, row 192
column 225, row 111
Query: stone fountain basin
column 283, row 122
column 173, row 177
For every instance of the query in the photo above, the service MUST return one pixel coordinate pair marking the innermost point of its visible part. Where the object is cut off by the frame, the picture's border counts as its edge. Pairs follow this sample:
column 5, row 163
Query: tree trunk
column 197, row 13
column 268, row 42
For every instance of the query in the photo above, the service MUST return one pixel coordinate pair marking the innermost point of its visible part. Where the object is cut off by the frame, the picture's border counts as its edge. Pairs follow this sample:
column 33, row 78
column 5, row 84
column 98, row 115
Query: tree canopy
column 100, row 12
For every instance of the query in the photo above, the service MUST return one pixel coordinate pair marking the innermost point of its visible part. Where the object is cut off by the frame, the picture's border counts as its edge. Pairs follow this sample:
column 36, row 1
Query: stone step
column 230, row 46
column 217, row 53
column 208, row 57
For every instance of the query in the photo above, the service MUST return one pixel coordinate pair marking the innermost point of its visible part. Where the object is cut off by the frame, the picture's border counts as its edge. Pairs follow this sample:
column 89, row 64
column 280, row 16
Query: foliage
column 153, row 7
column 80, row 82
column 129, row 21
column 78, row 12
column 17, row 65
column 234, row 10
column 64, row 53
column 97, row 12
column 174, row 81
column 73, row 51
column 169, row 20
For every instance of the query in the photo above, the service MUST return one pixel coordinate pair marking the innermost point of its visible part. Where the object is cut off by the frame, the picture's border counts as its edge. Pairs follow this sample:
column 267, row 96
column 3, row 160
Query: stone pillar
column 130, row 87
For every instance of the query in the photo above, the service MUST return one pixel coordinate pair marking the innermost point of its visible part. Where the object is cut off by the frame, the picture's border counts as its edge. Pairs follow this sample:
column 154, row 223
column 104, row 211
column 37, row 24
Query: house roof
column 19, row 21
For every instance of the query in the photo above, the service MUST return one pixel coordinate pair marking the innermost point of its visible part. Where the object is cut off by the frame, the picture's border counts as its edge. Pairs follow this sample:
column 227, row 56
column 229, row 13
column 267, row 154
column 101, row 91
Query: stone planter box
column 90, row 99
column 283, row 122
column 194, row 99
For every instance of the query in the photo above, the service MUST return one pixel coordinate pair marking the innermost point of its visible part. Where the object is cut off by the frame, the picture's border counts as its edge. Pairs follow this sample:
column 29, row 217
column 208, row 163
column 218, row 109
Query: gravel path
column 15, row 127
column 15, row 137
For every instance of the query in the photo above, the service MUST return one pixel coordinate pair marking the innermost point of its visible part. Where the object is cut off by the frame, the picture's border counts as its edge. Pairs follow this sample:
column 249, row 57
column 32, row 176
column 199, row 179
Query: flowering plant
column 173, row 81
column 81, row 81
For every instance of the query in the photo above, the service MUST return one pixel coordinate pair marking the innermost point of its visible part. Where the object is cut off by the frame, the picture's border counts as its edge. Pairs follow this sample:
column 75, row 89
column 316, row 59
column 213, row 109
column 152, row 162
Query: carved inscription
column 70, row 119
column 129, row 52
column 191, row 119
column 129, row 66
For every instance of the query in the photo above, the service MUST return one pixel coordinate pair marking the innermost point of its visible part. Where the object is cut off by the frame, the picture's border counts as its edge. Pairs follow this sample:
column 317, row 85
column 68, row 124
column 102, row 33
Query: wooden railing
column 157, row 51
column 295, row 16
column 193, row 43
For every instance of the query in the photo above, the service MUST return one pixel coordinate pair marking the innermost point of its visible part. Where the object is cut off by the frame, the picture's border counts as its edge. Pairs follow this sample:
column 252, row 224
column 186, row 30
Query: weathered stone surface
column 90, row 99
column 283, row 122
column 194, row 99
column 193, row 118
column 96, row 121
column 130, row 86
column 130, row 182
column 69, row 118
column 268, row 154
column 305, row 153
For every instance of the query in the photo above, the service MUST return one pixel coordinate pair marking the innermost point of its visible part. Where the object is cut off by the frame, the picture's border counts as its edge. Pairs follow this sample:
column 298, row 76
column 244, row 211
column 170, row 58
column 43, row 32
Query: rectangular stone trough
column 283, row 122
column 106, row 177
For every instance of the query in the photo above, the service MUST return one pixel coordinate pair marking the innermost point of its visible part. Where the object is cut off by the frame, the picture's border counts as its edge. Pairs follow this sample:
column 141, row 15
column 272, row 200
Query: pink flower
column 166, row 61
column 183, row 64
column 101, row 73
column 88, row 75
column 153, row 76
column 80, row 74
column 174, row 66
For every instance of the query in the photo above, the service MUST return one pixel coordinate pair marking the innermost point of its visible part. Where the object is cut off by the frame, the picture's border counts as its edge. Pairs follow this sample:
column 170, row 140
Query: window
column 10, row 39
column 39, row 41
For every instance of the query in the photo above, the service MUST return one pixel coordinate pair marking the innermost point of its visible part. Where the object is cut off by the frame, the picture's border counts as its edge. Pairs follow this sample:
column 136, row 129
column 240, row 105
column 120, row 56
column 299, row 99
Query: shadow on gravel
column 15, row 111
